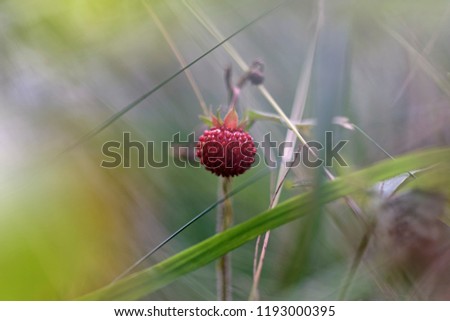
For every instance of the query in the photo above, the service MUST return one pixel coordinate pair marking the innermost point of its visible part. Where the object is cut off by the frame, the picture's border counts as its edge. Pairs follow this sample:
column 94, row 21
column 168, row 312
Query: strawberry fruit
column 226, row 149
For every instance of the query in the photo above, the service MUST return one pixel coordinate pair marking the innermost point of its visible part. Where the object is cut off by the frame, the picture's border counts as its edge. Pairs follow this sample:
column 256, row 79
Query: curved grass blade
column 142, row 283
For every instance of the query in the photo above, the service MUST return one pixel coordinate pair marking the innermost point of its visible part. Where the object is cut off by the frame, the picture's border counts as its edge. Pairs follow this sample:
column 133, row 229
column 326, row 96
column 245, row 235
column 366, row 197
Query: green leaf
column 147, row 281
column 206, row 120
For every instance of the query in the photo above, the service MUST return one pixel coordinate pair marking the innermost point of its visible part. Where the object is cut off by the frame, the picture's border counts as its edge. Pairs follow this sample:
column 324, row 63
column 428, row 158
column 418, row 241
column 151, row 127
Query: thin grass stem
column 438, row 78
column 378, row 145
column 296, row 115
column 183, row 63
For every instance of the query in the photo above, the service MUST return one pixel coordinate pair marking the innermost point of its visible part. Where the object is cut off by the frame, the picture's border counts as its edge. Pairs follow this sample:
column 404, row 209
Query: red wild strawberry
column 225, row 149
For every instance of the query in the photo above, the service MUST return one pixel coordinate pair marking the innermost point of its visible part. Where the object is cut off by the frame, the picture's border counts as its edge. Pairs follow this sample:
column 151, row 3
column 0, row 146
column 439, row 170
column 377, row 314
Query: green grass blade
column 145, row 282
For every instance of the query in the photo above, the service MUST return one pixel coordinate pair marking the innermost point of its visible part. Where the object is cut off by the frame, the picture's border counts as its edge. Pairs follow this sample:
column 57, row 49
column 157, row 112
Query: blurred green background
column 69, row 226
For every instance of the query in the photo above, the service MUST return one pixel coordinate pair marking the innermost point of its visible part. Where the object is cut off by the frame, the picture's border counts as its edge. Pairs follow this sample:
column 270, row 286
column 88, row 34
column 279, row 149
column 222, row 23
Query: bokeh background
column 69, row 226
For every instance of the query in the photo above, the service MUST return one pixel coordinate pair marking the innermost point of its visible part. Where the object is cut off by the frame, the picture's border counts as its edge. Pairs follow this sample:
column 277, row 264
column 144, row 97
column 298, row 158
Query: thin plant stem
column 258, row 262
column 426, row 51
column 235, row 55
column 296, row 115
column 225, row 213
column 357, row 260
column 224, row 221
column 377, row 145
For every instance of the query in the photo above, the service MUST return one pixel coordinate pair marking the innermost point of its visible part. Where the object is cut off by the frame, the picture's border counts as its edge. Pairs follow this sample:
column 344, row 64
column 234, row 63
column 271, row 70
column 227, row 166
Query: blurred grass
column 69, row 227
column 301, row 206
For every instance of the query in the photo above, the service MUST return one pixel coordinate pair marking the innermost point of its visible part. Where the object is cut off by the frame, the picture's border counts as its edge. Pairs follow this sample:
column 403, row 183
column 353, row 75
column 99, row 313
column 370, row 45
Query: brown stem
column 224, row 221
column 234, row 91
column 229, row 83
column 357, row 260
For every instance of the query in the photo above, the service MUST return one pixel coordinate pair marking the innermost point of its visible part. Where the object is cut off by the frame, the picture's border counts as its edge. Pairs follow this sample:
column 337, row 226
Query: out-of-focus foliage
column 150, row 280
column 69, row 226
